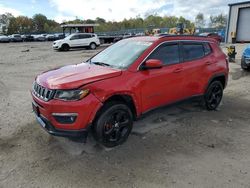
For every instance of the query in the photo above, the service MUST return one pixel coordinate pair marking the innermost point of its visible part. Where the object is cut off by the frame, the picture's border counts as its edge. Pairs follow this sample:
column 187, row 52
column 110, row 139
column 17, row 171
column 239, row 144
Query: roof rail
column 169, row 35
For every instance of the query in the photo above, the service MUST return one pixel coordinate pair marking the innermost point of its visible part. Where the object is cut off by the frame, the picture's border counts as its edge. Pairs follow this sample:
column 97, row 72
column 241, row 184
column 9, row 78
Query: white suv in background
column 76, row 40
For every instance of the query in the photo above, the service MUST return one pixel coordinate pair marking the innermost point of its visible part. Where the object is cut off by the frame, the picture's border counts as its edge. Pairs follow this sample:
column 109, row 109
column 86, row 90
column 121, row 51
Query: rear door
column 84, row 39
column 162, row 86
column 197, row 61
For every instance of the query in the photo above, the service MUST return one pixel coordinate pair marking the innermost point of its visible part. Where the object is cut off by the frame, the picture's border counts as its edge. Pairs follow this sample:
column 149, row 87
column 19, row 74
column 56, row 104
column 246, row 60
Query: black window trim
column 211, row 49
column 171, row 41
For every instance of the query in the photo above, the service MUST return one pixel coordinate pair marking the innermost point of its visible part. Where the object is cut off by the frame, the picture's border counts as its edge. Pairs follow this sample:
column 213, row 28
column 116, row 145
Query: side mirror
column 152, row 64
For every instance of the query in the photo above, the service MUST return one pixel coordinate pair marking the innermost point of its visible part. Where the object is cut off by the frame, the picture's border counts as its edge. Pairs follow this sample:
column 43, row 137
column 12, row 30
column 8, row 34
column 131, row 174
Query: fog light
column 65, row 118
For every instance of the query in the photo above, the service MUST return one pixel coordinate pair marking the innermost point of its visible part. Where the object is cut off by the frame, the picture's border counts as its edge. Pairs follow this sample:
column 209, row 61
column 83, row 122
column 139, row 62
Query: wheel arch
column 121, row 97
column 218, row 77
column 65, row 43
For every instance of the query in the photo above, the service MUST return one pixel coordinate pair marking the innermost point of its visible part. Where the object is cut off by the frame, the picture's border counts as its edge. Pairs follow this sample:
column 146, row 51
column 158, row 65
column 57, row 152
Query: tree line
column 39, row 23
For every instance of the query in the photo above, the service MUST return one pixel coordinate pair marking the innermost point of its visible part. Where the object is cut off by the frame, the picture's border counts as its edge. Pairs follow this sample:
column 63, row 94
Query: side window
column 167, row 53
column 85, row 36
column 74, row 37
column 192, row 51
column 207, row 48
column 82, row 36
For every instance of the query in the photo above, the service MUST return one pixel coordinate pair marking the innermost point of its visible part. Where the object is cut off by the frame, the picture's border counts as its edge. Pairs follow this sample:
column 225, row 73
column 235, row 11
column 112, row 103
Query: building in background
column 238, row 26
column 79, row 28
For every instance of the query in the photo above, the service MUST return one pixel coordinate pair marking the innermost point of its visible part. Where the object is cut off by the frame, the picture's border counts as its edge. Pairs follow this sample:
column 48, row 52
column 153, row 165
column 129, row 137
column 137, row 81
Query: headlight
column 71, row 95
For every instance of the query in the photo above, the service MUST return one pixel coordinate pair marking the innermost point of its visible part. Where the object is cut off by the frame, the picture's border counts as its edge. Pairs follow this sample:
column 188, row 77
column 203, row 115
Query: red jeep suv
column 126, row 80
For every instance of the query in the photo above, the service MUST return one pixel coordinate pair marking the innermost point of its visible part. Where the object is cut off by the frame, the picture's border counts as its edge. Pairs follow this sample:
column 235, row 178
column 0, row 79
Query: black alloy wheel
column 213, row 95
column 114, row 124
column 65, row 47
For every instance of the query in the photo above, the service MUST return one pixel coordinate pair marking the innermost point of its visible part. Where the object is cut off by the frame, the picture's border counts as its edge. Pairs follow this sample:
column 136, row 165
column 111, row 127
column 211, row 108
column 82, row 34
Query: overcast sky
column 113, row 9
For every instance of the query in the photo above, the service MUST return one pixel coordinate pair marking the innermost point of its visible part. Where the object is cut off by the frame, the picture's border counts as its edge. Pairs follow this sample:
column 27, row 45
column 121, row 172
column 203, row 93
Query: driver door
column 162, row 86
column 74, row 40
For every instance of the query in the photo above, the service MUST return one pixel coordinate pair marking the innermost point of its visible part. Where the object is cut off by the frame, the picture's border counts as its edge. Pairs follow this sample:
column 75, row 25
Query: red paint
column 149, row 88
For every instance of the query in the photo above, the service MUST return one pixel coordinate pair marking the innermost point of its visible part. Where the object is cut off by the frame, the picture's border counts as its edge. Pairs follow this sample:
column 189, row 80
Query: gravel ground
column 177, row 146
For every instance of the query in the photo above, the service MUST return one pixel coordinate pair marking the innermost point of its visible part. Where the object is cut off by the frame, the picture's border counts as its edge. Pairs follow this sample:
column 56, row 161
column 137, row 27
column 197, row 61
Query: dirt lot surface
column 178, row 146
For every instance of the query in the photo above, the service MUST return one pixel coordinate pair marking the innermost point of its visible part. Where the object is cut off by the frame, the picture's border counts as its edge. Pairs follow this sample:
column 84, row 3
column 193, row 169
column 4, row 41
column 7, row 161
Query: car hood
column 74, row 76
column 57, row 41
column 4, row 37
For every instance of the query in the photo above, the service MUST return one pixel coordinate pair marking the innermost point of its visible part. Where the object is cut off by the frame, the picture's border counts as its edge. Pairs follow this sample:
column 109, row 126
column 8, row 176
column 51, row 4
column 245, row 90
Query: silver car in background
column 4, row 38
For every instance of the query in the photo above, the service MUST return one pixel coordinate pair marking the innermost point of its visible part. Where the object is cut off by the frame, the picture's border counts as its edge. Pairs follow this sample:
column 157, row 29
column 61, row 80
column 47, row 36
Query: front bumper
column 85, row 109
column 47, row 126
column 55, row 47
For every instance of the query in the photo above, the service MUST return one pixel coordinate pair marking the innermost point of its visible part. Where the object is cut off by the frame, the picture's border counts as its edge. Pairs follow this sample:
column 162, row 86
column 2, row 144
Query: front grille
column 42, row 92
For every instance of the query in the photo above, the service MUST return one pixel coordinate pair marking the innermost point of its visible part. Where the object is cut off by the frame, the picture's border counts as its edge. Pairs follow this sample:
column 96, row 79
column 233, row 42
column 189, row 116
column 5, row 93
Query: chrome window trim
column 170, row 41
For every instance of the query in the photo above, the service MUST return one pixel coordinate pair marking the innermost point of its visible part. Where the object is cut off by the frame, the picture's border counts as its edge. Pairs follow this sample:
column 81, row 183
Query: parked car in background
column 40, row 38
column 4, row 38
column 27, row 38
column 131, row 77
column 50, row 37
column 16, row 38
column 59, row 36
column 77, row 40
column 212, row 35
column 125, row 36
column 245, row 60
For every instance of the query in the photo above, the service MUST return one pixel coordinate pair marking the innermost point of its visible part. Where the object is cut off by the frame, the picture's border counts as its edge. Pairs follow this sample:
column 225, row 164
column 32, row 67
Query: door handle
column 208, row 63
column 178, row 70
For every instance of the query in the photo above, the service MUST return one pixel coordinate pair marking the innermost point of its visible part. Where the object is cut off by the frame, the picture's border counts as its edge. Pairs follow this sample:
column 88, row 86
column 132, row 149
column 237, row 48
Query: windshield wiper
column 101, row 64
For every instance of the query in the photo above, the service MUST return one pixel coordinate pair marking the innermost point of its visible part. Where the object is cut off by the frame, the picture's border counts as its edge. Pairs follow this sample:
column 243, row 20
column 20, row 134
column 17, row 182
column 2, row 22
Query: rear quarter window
column 207, row 48
column 192, row 51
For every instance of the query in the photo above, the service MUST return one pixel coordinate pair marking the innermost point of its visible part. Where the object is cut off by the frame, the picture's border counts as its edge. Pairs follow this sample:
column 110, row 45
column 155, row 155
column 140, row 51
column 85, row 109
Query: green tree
column 100, row 20
column 39, row 21
column 170, row 21
column 24, row 24
column 12, row 27
column 199, row 20
column 219, row 21
column 186, row 22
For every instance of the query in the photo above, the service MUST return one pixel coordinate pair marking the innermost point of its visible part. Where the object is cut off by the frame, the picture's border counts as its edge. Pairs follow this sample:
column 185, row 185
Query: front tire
column 213, row 95
column 244, row 66
column 65, row 47
column 114, row 124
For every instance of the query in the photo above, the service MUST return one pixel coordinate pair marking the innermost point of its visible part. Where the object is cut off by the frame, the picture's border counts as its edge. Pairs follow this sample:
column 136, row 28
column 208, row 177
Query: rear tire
column 92, row 46
column 113, row 124
column 65, row 47
column 213, row 95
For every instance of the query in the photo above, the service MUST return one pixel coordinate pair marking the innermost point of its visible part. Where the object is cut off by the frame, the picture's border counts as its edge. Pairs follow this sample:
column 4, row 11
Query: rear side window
column 83, row 36
column 207, row 48
column 167, row 53
column 192, row 51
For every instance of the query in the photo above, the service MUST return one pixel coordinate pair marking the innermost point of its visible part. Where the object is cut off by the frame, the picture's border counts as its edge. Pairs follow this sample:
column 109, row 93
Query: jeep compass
column 119, row 84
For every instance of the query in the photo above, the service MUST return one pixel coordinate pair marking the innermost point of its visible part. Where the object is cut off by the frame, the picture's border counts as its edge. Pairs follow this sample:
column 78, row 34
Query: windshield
column 121, row 54
column 69, row 36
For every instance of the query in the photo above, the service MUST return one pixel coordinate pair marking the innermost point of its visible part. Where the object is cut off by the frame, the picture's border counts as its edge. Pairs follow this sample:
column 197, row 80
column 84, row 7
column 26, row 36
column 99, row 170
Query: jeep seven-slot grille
column 42, row 92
